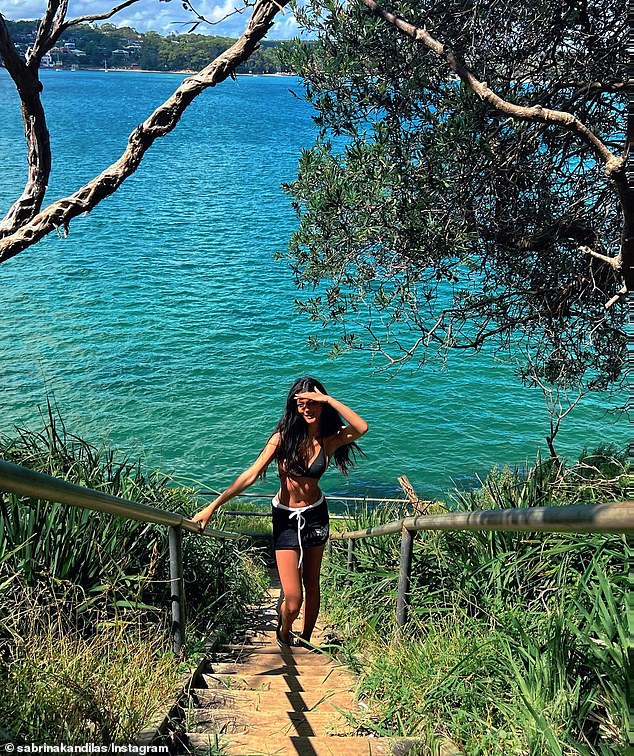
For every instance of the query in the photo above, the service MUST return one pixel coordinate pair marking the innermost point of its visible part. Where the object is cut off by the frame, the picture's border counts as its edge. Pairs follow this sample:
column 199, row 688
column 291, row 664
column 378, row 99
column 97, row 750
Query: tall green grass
column 61, row 685
column 76, row 580
column 516, row 642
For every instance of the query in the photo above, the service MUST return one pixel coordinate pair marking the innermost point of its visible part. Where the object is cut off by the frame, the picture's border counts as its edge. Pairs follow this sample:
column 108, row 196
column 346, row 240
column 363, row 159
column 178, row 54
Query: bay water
column 163, row 326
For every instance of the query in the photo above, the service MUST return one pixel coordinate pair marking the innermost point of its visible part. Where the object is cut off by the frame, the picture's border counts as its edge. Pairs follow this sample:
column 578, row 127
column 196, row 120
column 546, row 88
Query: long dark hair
column 294, row 431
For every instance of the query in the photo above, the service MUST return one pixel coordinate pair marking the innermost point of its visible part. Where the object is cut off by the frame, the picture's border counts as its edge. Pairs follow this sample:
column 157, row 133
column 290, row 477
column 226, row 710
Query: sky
column 159, row 15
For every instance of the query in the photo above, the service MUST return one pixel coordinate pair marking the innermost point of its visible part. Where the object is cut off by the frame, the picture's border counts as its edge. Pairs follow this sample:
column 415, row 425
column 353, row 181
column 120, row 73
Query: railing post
column 350, row 562
column 177, row 589
column 404, row 577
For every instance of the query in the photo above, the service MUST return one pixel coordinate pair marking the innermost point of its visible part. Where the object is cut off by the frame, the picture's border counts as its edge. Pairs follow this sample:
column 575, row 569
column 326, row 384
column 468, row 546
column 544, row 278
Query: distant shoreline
column 183, row 72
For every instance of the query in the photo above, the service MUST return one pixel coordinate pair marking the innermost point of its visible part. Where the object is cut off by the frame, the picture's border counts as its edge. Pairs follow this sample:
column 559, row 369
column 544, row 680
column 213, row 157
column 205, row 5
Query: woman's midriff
column 298, row 492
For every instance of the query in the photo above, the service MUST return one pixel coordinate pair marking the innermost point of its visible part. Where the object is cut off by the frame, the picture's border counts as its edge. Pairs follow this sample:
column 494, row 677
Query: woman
column 310, row 433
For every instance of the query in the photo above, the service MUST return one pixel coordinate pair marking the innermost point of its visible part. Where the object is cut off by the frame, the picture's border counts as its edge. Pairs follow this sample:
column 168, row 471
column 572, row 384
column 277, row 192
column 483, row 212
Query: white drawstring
column 301, row 521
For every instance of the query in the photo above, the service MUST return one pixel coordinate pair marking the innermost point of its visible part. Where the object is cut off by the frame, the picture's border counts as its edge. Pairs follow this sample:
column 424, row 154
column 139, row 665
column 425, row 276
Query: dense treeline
column 87, row 46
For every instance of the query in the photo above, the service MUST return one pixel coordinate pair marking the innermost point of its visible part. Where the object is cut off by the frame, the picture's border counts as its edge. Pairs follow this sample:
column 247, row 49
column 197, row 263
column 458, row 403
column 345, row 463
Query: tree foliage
column 429, row 215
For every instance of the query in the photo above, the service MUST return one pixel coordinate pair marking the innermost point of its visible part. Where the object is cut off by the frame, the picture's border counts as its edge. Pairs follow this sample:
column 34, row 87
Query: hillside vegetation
column 87, row 46
column 517, row 643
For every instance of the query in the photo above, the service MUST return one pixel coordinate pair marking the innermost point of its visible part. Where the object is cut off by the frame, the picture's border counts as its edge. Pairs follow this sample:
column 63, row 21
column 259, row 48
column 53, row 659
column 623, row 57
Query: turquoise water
column 163, row 326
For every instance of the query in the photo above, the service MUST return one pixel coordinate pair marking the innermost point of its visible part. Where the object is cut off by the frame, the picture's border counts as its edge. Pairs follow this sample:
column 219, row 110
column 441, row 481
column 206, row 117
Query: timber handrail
column 26, row 482
column 23, row 481
column 610, row 517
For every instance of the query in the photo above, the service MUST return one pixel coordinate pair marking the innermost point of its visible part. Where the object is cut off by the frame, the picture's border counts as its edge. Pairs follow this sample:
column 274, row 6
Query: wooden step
column 269, row 613
column 289, row 656
column 274, row 666
column 270, row 723
column 292, row 656
column 266, row 647
column 319, row 699
column 256, row 636
column 268, row 619
column 257, row 698
column 261, row 745
column 262, row 642
column 274, row 655
column 337, row 680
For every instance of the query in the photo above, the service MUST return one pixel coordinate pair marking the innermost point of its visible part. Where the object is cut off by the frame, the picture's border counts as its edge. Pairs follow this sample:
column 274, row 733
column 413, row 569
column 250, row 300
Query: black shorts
column 315, row 530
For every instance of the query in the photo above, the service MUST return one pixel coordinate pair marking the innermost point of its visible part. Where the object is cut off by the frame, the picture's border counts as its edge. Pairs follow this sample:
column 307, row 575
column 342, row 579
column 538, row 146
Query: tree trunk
column 39, row 156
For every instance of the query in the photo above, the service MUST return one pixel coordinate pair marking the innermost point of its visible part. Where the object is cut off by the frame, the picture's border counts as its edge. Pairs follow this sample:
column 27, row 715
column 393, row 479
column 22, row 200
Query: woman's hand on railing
column 205, row 515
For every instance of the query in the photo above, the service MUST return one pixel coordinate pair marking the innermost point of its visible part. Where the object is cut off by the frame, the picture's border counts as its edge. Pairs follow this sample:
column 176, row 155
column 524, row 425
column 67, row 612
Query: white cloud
column 220, row 11
column 21, row 8
column 163, row 17
column 285, row 28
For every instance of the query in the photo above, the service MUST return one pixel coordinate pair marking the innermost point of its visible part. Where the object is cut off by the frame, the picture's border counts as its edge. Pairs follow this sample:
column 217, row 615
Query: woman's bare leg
column 310, row 576
column 291, row 586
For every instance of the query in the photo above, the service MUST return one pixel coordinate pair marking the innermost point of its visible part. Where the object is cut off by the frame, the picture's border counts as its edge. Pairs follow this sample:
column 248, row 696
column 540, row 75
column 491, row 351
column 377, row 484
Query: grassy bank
column 85, row 645
column 517, row 642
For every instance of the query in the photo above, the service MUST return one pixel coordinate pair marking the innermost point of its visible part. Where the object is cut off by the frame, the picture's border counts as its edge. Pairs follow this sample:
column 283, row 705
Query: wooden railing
column 614, row 517
column 25, row 482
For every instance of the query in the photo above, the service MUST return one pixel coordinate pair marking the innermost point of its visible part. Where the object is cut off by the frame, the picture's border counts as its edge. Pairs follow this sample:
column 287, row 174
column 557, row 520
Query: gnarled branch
column 97, row 17
column 613, row 262
column 530, row 113
column 53, row 15
column 35, row 132
column 26, row 77
column 59, row 214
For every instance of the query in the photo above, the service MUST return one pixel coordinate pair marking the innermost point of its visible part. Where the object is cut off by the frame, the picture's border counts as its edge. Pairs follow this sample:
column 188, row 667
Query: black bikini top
column 316, row 469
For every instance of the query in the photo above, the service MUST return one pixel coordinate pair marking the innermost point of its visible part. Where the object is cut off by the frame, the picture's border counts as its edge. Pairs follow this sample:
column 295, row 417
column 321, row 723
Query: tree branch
column 35, row 132
column 25, row 76
column 612, row 163
column 202, row 19
column 48, row 32
column 99, row 17
column 614, row 167
column 613, row 262
column 54, row 24
column 59, row 214
column 8, row 53
column 619, row 295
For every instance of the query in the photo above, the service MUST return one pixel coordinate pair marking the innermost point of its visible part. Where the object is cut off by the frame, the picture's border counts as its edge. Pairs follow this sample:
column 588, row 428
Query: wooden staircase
column 257, row 699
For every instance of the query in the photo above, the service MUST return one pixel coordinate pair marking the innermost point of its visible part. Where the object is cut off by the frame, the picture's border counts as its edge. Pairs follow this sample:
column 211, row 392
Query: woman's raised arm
column 356, row 427
column 242, row 482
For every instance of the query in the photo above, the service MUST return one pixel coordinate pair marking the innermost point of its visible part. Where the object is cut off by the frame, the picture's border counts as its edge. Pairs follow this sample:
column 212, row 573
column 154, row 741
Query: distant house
column 27, row 38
